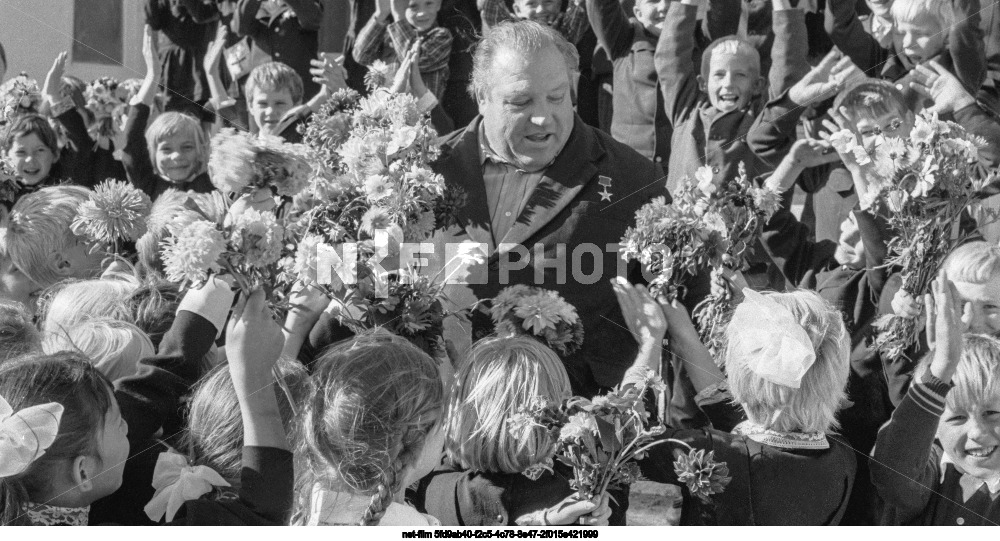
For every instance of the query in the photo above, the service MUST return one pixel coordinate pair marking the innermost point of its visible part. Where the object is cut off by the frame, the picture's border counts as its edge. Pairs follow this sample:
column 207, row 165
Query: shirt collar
column 969, row 483
column 782, row 440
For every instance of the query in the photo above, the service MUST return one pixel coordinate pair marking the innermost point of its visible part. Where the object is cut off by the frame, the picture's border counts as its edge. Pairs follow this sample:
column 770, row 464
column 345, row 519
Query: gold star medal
column 606, row 183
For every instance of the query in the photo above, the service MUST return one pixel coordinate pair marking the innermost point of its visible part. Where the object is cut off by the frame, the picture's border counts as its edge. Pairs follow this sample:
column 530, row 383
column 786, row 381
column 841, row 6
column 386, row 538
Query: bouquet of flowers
column 922, row 186
column 602, row 438
column 19, row 96
column 705, row 226
column 115, row 214
column 107, row 100
column 745, row 209
column 9, row 183
column 538, row 312
column 241, row 163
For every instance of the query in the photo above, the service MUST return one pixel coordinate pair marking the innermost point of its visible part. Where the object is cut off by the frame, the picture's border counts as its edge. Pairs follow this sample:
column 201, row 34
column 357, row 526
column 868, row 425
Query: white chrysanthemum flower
column 231, row 162
column 258, row 237
column 116, row 211
column 192, row 252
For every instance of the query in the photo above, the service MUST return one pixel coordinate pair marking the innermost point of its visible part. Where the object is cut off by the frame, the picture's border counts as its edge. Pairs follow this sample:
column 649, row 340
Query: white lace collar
column 50, row 515
column 782, row 440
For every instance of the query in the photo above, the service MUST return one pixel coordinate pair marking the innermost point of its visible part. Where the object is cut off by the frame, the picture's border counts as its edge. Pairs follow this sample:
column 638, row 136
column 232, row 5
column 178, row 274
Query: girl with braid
column 372, row 427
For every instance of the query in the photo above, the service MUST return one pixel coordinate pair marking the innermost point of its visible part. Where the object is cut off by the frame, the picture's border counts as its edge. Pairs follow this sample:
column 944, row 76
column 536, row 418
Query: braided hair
column 376, row 398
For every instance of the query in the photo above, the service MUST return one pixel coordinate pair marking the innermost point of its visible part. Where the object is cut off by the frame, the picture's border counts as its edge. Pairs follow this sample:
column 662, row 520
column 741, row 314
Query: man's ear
column 702, row 85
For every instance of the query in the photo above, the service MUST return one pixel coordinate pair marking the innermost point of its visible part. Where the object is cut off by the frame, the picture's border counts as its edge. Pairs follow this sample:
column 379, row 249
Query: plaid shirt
column 572, row 23
column 389, row 42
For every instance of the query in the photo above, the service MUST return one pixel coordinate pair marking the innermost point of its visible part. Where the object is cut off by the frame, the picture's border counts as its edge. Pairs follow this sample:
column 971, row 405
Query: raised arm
column 309, row 13
column 494, row 12
column 611, row 26
column 572, row 23
column 135, row 156
column 673, row 59
column 849, row 36
column 788, row 54
column 967, row 44
column 371, row 40
column 244, row 21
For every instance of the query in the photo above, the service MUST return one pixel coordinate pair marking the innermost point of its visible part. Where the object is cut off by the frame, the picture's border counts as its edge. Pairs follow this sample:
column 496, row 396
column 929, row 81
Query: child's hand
column 417, row 86
column 934, row 82
column 383, row 9
column 329, row 72
column 642, row 314
column 401, row 81
column 53, row 80
column 904, row 305
column 572, row 510
column 808, row 153
column 253, row 340
column 834, row 71
column 213, row 56
column 944, row 327
column 306, row 304
column 399, row 10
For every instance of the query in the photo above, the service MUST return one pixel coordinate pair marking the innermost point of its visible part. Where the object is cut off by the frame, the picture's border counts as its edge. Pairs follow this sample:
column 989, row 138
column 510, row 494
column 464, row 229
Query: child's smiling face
column 980, row 306
column 422, row 14
column 177, row 157
column 31, row 159
column 268, row 107
column 732, row 79
column 921, row 39
column 971, row 437
column 651, row 14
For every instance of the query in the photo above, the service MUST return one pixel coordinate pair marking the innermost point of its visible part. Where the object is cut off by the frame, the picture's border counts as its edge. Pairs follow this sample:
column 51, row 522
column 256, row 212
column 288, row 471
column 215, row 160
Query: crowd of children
column 129, row 399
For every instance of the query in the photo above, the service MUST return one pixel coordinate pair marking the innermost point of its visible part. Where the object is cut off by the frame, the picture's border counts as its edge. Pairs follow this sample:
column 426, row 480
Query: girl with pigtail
column 372, row 427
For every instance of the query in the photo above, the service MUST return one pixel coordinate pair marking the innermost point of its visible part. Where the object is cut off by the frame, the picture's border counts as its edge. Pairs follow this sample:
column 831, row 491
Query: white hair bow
column 26, row 434
column 176, row 482
column 778, row 349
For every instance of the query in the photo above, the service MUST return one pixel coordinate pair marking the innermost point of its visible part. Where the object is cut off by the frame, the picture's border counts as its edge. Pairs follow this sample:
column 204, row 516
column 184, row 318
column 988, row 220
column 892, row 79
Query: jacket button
column 659, row 159
column 960, row 521
column 500, row 519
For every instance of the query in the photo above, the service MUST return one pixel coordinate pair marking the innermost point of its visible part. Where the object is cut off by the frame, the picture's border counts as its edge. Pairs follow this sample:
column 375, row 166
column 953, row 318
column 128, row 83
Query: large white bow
column 176, row 482
column 26, row 434
column 778, row 348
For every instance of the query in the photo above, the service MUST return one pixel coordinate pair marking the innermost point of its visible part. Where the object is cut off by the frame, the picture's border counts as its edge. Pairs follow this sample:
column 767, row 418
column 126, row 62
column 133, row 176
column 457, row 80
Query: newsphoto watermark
column 472, row 263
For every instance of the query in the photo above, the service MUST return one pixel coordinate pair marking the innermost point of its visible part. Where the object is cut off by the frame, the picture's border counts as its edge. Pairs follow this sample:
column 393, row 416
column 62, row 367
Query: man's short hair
column 527, row 38
column 908, row 11
column 729, row 45
column 274, row 77
column 38, row 226
column 871, row 99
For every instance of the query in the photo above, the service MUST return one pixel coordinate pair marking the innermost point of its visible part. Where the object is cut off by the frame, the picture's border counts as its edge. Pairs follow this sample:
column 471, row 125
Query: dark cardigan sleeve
column 786, row 241
column 135, row 156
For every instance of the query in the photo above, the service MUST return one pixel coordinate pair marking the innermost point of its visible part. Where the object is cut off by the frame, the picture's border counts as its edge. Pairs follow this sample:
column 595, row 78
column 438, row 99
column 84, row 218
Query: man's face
column 980, row 306
column 540, row 11
column 732, row 80
column 528, row 109
column 920, row 40
column 422, row 14
column 651, row 13
column 971, row 437
column 267, row 107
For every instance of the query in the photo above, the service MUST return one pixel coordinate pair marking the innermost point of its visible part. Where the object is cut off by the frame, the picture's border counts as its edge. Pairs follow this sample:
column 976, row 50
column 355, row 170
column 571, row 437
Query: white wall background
column 33, row 32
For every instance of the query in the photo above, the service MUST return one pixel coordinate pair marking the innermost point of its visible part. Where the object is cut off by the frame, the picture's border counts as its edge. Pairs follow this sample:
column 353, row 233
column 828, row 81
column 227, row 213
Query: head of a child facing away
column 787, row 360
column 921, row 28
column 876, row 108
column 974, row 268
column 730, row 74
column 422, row 14
column 651, row 14
column 373, row 425
column 540, row 11
column 497, row 378
column 272, row 89
column 178, row 147
column 969, row 430
column 31, row 147
column 87, row 457
column 39, row 242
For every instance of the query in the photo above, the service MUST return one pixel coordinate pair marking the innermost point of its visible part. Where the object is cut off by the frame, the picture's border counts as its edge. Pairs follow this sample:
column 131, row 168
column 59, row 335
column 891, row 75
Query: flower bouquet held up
column 601, row 439
column 745, row 209
column 538, row 312
column 108, row 101
column 115, row 215
column 921, row 186
column 19, row 96
column 242, row 163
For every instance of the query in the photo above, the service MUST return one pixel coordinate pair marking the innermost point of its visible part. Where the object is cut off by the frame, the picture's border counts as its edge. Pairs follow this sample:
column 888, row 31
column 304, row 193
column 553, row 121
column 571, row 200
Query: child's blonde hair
column 499, row 376
column 376, row 399
column 977, row 377
column 730, row 45
column 975, row 262
column 113, row 347
column 174, row 123
column 66, row 304
column 38, row 226
column 813, row 406
column 274, row 77
column 18, row 334
column 908, row 11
